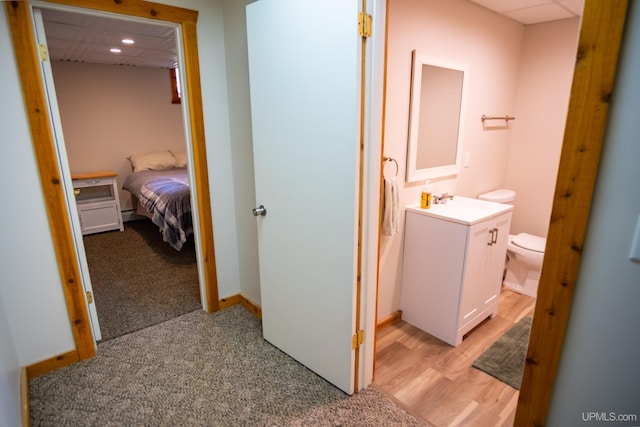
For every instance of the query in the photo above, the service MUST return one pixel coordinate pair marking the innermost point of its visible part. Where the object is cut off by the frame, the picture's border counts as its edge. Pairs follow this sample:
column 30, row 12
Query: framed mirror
column 435, row 117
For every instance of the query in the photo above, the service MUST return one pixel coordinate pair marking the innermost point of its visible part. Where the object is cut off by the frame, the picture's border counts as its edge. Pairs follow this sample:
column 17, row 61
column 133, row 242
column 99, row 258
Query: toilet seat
column 530, row 242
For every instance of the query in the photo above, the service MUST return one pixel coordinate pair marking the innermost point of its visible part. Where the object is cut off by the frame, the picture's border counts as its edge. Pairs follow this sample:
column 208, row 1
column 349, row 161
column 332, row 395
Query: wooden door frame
column 20, row 23
column 593, row 80
column 594, row 76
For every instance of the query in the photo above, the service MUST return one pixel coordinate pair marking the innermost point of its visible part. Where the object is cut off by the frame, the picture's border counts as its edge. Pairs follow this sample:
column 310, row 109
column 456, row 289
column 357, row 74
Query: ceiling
column 88, row 38
column 534, row 11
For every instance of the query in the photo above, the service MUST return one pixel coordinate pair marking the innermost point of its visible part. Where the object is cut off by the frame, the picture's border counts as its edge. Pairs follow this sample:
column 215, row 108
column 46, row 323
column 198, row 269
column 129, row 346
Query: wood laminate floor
column 436, row 381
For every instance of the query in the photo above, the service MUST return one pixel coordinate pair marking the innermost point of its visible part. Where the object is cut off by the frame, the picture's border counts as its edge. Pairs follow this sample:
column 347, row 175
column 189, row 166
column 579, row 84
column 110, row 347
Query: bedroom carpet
column 201, row 369
column 138, row 280
column 505, row 358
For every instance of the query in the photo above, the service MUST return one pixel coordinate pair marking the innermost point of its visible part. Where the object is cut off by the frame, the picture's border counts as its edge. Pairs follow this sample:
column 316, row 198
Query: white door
column 65, row 172
column 304, row 65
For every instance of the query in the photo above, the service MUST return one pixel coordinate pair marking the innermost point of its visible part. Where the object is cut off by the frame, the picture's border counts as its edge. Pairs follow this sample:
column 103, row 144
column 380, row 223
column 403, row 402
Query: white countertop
column 463, row 210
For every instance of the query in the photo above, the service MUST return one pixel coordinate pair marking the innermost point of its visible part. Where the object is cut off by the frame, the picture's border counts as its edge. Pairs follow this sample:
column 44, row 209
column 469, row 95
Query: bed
column 164, row 196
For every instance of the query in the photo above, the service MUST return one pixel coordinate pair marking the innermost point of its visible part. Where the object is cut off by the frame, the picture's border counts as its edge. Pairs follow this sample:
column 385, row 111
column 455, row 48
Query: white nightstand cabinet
column 97, row 201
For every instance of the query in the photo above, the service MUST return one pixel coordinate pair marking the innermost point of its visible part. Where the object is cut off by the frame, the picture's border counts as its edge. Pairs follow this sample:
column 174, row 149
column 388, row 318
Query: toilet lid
column 530, row 242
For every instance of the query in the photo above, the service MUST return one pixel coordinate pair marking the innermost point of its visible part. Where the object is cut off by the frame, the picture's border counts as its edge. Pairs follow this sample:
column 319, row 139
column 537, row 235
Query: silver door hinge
column 44, row 53
column 357, row 339
column 364, row 24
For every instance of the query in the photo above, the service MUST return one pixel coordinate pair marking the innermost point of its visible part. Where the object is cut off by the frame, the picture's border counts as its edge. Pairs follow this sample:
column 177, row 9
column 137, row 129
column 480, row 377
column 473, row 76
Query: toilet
column 525, row 252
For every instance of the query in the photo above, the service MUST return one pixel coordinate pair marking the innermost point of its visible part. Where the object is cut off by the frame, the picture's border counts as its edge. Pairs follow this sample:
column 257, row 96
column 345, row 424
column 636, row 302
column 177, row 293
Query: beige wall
column 544, row 85
column 110, row 112
column 33, row 297
column 502, row 80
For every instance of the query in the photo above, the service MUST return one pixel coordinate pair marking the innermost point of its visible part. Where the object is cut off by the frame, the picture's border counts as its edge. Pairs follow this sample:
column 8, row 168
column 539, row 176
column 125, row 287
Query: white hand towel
column 391, row 220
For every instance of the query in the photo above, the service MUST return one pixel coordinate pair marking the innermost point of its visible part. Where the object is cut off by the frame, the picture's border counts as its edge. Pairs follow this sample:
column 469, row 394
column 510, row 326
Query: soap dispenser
column 426, row 196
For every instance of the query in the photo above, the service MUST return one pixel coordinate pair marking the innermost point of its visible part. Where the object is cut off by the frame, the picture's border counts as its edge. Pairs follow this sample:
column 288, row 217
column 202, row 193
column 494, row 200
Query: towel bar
column 505, row 118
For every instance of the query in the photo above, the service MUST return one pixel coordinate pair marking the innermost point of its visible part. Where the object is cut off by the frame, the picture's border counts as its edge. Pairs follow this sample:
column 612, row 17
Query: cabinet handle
column 494, row 237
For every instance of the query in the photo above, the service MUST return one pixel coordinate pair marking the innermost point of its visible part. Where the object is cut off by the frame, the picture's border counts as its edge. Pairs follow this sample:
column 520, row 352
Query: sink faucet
column 438, row 200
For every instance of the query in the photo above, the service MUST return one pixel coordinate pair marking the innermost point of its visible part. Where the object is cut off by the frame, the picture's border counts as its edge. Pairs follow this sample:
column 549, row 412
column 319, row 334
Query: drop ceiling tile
column 502, row 6
column 88, row 38
column 575, row 6
column 537, row 14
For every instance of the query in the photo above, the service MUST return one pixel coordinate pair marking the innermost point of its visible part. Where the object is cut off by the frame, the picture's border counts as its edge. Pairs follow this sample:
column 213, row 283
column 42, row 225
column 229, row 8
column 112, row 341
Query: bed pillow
column 153, row 161
column 181, row 159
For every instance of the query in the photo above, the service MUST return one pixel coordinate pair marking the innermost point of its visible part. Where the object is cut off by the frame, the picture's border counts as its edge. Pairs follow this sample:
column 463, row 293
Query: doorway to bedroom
column 119, row 117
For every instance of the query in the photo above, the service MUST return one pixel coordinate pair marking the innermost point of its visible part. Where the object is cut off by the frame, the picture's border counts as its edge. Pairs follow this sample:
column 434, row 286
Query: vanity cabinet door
column 484, row 266
column 496, row 257
column 477, row 257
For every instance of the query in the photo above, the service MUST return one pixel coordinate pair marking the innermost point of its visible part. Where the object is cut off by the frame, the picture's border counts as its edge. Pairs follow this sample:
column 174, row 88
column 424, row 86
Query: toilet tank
column 499, row 196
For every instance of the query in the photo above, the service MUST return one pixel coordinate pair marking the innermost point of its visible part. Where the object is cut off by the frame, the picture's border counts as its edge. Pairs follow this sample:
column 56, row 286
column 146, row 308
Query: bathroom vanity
column 454, row 257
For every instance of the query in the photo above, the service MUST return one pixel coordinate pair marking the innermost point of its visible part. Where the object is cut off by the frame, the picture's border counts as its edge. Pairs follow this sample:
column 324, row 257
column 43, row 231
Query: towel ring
column 391, row 159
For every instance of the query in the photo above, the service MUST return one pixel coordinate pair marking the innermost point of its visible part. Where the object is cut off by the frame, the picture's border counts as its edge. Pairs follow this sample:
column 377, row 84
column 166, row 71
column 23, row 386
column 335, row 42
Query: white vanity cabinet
column 97, row 201
column 454, row 257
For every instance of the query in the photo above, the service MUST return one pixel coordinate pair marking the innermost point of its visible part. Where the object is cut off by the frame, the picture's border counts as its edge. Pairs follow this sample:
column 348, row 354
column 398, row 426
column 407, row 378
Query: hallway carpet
column 201, row 369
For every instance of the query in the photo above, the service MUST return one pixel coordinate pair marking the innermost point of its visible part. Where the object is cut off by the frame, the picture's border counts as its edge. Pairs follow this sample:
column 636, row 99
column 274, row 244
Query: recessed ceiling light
column 115, row 50
column 128, row 41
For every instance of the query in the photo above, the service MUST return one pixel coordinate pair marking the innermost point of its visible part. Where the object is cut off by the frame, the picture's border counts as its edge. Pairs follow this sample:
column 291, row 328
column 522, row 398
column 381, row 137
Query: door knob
column 260, row 210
